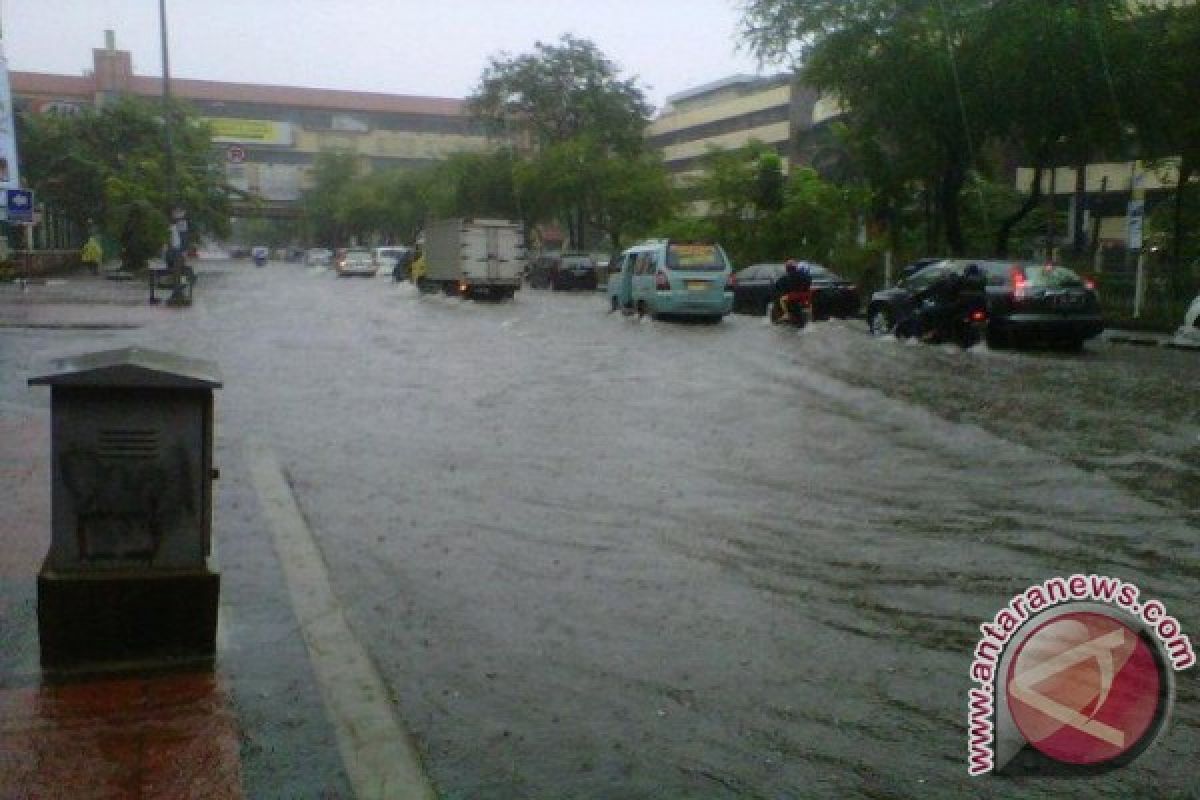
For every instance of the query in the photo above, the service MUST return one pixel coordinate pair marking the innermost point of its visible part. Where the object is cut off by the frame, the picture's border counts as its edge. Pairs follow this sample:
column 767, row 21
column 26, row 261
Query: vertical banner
column 10, row 177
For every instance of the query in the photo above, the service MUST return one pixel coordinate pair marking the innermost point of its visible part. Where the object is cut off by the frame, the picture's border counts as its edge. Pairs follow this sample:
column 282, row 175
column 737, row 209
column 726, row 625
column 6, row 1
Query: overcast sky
column 422, row 47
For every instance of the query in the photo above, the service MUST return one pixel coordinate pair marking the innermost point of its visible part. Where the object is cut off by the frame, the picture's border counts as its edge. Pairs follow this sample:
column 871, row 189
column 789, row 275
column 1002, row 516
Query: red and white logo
column 1085, row 688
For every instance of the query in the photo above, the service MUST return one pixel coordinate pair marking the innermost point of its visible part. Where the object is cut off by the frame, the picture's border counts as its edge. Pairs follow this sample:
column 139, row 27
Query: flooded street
column 593, row 556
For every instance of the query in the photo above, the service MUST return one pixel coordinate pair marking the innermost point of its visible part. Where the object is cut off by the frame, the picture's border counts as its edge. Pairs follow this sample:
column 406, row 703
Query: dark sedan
column 1026, row 302
column 754, row 286
column 575, row 271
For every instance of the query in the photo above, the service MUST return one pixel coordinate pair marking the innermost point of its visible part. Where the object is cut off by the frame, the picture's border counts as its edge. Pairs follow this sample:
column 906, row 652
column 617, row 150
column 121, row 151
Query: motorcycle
column 964, row 324
column 798, row 310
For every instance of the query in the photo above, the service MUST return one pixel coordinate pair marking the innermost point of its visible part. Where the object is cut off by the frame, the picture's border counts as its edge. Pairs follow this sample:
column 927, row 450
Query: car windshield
column 696, row 257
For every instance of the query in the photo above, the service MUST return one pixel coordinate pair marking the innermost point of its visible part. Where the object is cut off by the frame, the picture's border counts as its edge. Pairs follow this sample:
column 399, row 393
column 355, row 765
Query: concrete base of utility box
column 112, row 619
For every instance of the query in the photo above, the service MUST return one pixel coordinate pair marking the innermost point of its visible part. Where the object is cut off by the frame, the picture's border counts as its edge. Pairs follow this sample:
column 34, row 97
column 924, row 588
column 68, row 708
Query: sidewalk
column 129, row 736
column 79, row 300
column 1143, row 339
column 252, row 726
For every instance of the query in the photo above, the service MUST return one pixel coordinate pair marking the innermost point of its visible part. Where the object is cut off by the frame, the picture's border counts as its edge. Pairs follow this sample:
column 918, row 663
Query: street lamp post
column 169, row 144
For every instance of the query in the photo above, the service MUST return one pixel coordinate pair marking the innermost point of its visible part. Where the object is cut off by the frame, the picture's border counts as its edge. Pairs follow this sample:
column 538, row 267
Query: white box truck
column 474, row 257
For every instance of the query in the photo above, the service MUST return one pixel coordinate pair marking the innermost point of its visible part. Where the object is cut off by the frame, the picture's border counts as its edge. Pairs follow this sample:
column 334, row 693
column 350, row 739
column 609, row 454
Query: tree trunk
column 1077, row 234
column 948, row 191
column 932, row 245
column 1010, row 222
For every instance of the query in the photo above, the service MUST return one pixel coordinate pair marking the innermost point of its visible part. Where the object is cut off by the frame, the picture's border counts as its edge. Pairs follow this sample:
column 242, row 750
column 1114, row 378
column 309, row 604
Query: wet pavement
column 593, row 557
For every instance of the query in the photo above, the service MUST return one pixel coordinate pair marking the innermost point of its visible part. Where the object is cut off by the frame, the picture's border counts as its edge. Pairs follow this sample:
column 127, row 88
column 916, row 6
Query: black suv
column 1026, row 302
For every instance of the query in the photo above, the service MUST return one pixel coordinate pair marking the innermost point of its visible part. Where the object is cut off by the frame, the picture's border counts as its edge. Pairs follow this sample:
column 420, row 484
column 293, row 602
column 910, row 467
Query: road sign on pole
column 20, row 205
column 1134, row 219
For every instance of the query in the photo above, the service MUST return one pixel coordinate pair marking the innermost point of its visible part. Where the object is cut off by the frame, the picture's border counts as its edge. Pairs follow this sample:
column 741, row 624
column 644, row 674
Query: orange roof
column 288, row 96
column 45, row 83
column 335, row 99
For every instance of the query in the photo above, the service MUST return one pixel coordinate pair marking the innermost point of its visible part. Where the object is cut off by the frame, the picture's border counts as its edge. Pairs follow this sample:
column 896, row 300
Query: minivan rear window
column 1052, row 277
column 695, row 257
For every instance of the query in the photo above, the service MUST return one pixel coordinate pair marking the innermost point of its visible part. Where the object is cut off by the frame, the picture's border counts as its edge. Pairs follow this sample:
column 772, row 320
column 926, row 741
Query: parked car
column 909, row 270
column 833, row 295
column 389, row 257
column 540, row 271
column 1026, row 302
column 357, row 261
column 318, row 257
column 574, row 271
column 664, row 278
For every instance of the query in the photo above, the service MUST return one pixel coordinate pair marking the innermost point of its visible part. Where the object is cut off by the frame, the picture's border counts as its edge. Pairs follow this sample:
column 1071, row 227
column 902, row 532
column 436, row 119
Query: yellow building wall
column 690, row 118
column 770, row 134
column 1109, row 177
column 390, row 144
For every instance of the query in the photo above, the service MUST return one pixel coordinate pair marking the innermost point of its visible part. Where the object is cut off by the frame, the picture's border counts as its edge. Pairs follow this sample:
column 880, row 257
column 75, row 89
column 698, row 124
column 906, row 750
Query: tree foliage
column 932, row 87
column 772, row 218
column 105, row 167
column 560, row 92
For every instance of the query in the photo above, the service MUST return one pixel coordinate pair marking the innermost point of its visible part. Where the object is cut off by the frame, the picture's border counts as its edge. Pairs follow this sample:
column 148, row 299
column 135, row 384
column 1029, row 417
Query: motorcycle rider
column 936, row 304
column 796, row 277
column 942, row 301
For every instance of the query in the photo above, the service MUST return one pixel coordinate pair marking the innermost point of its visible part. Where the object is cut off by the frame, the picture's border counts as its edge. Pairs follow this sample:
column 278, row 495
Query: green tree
column 326, row 205
column 560, row 92
column 894, row 66
column 567, row 105
column 1168, row 120
column 106, row 167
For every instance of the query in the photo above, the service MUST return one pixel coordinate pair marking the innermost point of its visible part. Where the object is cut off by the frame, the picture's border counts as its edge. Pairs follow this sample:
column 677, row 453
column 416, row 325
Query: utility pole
column 166, row 94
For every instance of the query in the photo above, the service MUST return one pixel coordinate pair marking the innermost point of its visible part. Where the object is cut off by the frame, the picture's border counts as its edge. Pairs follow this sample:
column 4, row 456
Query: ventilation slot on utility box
column 128, row 443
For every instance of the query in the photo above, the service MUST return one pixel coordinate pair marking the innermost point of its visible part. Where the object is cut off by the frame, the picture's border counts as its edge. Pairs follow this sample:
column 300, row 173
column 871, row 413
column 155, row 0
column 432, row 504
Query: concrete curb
column 377, row 752
column 1149, row 340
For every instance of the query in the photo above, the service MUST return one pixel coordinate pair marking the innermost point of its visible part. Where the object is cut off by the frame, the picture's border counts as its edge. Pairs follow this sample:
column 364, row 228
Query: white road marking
column 378, row 755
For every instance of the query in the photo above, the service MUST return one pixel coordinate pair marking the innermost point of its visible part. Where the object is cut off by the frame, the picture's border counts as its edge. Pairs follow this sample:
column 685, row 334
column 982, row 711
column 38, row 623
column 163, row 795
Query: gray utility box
column 129, row 576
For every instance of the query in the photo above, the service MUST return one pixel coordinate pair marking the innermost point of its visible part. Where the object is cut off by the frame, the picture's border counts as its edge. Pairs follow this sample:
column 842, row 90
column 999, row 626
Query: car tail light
column 1019, row 281
column 731, row 284
column 978, row 315
column 463, row 287
column 661, row 282
column 1090, row 283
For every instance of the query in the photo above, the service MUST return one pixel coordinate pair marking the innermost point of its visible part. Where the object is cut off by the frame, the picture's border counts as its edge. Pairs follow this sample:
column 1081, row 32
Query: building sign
column 351, row 123
column 65, row 107
column 254, row 131
column 10, row 176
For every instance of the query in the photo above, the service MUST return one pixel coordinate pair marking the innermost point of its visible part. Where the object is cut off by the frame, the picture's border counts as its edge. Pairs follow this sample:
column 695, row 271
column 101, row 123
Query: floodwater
column 595, row 556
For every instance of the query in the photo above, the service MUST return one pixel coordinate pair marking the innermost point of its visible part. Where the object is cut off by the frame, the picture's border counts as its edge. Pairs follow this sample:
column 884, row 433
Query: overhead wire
column 962, row 110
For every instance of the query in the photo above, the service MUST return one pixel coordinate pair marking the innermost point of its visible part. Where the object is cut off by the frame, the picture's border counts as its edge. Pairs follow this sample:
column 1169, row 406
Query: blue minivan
column 672, row 279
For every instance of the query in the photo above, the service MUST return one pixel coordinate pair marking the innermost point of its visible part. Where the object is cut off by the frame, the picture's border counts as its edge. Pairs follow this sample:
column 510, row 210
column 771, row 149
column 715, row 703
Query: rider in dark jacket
column 796, row 277
column 937, row 303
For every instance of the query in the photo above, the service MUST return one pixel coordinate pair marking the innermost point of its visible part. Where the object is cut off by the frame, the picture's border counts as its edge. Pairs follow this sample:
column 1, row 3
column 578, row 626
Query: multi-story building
column 728, row 114
column 270, row 135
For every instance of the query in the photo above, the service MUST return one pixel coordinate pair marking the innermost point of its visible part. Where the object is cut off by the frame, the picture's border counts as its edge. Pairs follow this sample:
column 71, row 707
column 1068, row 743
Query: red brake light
column 978, row 315
column 1017, row 276
column 731, row 283
column 661, row 282
column 1090, row 283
